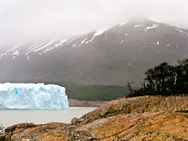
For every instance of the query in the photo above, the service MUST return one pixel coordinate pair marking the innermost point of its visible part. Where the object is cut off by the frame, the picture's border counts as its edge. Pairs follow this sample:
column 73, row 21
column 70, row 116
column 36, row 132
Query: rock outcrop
column 135, row 119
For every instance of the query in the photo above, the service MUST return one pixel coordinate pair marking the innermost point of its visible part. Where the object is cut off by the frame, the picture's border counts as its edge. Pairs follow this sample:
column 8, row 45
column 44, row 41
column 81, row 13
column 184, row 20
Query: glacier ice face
column 32, row 96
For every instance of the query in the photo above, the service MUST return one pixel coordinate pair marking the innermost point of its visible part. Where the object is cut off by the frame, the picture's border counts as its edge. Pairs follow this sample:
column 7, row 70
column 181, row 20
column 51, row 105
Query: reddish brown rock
column 147, row 126
column 138, row 105
column 18, row 126
column 48, row 132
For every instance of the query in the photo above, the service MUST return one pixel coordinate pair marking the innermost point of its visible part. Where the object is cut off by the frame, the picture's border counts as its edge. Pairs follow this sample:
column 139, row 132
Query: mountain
column 110, row 56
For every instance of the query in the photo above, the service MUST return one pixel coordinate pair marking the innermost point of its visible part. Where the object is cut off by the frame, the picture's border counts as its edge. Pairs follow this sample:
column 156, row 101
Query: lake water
column 11, row 117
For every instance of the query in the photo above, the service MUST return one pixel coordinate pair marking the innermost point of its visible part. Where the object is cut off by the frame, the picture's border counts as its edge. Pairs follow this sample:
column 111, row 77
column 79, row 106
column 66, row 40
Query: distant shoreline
column 84, row 103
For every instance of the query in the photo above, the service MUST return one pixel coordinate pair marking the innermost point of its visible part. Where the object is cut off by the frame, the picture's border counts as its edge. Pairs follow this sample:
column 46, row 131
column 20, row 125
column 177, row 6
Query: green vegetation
column 92, row 92
column 164, row 79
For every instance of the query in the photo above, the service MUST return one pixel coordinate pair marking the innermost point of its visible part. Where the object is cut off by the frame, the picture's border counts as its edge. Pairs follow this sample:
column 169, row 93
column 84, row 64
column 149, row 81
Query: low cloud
column 33, row 19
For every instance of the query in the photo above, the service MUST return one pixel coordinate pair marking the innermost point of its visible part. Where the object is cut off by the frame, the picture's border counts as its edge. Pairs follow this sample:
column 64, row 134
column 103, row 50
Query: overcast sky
column 38, row 19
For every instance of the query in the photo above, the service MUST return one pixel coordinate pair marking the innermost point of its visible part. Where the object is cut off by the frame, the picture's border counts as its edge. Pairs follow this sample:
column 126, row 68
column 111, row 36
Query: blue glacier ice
column 32, row 96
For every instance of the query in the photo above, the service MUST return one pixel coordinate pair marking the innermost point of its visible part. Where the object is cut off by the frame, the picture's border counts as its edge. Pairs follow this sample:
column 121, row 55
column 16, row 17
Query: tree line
column 164, row 79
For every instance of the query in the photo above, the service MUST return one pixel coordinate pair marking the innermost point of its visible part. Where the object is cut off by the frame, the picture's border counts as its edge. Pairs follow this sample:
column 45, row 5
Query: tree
column 158, row 76
column 182, row 70
column 129, row 85
column 164, row 79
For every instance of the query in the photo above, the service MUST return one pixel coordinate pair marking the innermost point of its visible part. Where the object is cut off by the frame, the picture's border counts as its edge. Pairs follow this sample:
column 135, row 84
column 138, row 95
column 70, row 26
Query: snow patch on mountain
column 152, row 27
column 84, row 41
column 123, row 23
column 34, row 48
column 46, row 45
column 61, row 42
column 181, row 31
column 17, row 46
column 121, row 41
column 27, row 57
column 74, row 45
column 3, row 54
column 28, row 48
column 138, row 25
column 48, row 49
column 88, row 40
column 151, row 19
column 100, row 31
column 156, row 43
column 15, row 54
column 51, row 47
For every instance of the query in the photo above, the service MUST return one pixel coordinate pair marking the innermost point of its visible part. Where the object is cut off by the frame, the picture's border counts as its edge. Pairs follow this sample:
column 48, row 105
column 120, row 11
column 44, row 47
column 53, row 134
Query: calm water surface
column 11, row 117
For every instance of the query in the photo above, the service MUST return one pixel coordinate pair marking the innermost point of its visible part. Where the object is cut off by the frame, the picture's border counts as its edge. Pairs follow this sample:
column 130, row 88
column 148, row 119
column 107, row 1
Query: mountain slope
column 106, row 56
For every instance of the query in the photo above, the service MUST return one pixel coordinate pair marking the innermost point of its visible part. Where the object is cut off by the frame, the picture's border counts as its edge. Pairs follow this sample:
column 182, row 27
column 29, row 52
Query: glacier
column 29, row 96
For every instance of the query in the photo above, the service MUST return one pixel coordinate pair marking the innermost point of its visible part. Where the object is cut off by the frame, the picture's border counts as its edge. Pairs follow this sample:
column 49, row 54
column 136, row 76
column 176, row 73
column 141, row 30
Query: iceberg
column 32, row 96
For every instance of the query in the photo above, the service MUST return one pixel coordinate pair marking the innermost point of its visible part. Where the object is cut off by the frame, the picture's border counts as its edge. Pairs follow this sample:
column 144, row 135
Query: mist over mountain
column 110, row 56
column 33, row 20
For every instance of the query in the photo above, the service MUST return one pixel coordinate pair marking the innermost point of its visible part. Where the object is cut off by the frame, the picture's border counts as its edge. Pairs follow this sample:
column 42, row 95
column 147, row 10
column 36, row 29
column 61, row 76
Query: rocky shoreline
column 84, row 103
column 134, row 119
